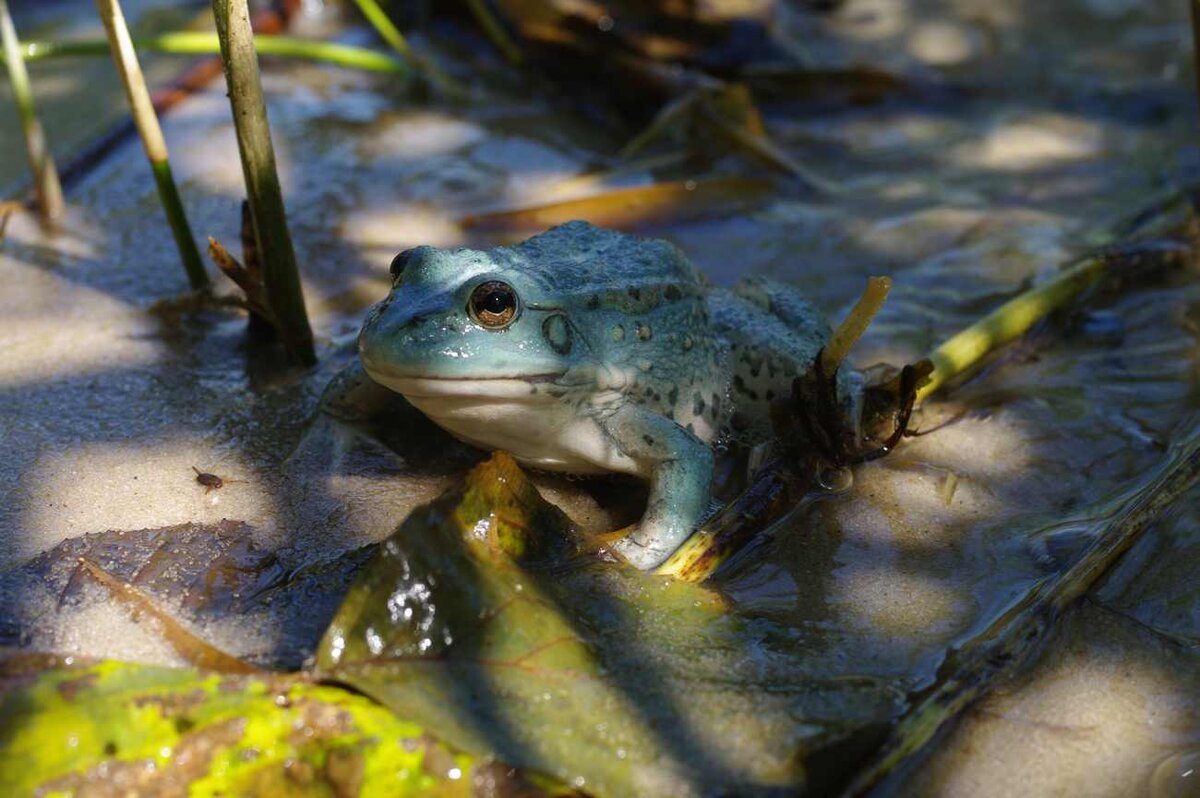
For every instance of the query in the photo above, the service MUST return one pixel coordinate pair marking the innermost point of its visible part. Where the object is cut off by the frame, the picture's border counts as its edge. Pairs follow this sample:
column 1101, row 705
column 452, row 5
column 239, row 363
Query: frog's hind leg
column 786, row 303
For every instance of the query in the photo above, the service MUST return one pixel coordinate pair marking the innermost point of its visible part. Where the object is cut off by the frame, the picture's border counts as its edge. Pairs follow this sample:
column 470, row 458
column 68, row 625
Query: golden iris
column 493, row 305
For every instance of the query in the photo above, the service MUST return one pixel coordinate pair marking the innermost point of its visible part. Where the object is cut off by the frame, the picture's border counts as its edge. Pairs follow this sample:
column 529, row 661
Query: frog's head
column 460, row 322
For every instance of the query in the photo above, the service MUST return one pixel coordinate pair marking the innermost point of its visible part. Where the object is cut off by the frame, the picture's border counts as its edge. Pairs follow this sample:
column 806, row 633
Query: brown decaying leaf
column 628, row 207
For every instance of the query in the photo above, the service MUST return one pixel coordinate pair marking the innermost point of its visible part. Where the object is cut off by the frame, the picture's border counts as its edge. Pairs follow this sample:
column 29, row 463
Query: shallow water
column 1046, row 123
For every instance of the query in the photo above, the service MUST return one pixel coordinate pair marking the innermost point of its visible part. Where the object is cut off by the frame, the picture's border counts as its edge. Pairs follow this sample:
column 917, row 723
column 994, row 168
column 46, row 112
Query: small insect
column 210, row 482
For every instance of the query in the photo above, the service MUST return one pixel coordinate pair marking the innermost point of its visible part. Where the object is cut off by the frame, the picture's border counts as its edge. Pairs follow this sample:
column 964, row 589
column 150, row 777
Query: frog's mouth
column 427, row 386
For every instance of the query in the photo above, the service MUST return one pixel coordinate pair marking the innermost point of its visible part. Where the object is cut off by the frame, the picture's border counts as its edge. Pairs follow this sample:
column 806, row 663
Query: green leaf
column 477, row 621
column 155, row 731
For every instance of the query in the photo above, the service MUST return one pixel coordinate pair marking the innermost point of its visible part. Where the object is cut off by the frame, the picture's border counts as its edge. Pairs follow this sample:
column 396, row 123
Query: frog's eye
column 399, row 262
column 493, row 305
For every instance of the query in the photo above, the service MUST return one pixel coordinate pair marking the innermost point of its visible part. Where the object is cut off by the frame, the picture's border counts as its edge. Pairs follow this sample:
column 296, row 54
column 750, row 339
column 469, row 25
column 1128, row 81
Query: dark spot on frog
column 649, row 441
column 643, row 332
column 740, row 385
column 691, row 427
column 672, row 293
column 110, row 748
column 673, row 396
column 184, row 724
column 593, row 302
column 210, row 482
column 557, row 333
column 635, row 293
column 697, row 404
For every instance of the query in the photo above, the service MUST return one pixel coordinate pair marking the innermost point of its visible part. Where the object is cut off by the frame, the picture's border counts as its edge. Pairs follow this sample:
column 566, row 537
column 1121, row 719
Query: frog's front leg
column 679, row 466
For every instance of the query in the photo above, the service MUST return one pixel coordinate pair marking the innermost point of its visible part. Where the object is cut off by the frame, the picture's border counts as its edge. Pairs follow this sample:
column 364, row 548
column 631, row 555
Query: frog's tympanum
column 589, row 351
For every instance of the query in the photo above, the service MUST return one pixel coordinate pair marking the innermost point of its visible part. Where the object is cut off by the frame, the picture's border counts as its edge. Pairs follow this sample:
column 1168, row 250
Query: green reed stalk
column 494, row 30
column 281, row 277
column 200, row 43
column 142, row 108
column 395, row 39
column 41, row 163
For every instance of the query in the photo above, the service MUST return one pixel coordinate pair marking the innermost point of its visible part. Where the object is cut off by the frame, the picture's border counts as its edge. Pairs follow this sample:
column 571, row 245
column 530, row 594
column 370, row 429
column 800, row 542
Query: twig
column 252, row 288
column 855, row 323
column 41, row 162
column 200, row 43
column 152, row 138
column 281, row 276
column 762, row 147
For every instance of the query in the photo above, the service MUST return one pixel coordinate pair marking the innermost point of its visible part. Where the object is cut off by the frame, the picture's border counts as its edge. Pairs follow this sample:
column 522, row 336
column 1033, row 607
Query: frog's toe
column 639, row 555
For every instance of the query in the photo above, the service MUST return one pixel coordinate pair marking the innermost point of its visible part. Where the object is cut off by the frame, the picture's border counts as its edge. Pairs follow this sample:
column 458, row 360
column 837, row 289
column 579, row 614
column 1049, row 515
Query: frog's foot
column 640, row 549
column 610, row 539
column 645, row 552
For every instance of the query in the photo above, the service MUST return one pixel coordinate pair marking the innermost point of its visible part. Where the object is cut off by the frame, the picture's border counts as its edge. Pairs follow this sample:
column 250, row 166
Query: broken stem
column 142, row 108
column 855, row 323
column 41, row 163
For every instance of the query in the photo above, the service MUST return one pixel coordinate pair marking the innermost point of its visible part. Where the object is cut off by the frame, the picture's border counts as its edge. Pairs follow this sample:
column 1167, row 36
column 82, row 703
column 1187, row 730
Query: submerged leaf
column 475, row 621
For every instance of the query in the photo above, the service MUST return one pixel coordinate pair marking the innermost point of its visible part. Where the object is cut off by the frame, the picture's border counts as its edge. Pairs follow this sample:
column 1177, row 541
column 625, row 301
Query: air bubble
column 835, row 480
